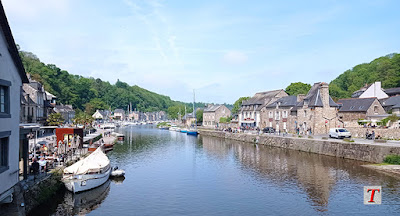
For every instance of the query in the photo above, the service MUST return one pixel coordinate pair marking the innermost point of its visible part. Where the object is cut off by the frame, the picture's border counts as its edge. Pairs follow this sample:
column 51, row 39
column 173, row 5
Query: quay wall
column 365, row 152
column 388, row 133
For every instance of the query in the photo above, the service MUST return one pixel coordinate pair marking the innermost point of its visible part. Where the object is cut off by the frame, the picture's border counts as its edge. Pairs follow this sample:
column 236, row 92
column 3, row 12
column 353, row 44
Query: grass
column 392, row 159
column 380, row 141
column 381, row 164
column 348, row 140
column 324, row 138
column 310, row 137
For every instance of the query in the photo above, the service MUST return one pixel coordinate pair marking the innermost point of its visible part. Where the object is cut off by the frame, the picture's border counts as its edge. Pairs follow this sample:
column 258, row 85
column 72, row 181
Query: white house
column 12, row 75
column 372, row 91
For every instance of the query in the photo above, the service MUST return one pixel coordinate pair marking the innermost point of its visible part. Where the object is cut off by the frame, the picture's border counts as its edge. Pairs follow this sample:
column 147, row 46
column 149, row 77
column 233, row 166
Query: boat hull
column 193, row 133
column 86, row 182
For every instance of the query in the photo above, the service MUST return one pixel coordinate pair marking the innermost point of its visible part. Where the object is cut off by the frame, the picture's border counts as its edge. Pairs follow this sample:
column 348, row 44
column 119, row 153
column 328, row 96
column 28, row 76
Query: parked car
column 269, row 130
column 339, row 133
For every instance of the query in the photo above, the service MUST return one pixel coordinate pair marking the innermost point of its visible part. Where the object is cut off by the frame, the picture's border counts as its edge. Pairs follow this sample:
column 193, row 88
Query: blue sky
column 222, row 49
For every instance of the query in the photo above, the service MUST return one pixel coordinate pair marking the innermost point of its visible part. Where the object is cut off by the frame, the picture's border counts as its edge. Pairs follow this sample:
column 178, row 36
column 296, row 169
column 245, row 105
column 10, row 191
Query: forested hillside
column 385, row 69
column 89, row 93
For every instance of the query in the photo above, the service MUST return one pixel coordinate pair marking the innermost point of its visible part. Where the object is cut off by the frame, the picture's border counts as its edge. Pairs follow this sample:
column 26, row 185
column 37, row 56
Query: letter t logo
column 372, row 195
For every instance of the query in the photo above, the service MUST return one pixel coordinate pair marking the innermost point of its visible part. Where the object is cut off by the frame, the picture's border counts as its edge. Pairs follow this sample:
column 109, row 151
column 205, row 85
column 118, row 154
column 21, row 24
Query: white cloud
column 28, row 9
column 235, row 57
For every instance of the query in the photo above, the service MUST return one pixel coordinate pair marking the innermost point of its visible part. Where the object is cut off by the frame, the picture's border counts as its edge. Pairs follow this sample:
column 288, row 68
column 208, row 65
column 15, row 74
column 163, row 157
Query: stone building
column 189, row 120
column 354, row 109
column 119, row 114
column 37, row 94
column 392, row 105
column 250, row 112
column 28, row 109
column 102, row 114
column 392, row 91
column 281, row 115
column 49, row 103
column 317, row 111
column 213, row 113
column 67, row 112
column 12, row 77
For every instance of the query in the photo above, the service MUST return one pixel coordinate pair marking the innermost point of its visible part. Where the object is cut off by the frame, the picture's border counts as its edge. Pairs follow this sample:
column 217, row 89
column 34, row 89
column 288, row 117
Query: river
column 171, row 173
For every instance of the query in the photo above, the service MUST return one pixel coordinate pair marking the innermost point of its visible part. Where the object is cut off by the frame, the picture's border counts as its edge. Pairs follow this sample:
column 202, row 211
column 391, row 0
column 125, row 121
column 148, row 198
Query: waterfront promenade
column 360, row 149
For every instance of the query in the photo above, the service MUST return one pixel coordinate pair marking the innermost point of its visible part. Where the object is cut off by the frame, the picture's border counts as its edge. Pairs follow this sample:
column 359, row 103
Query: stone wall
column 364, row 152
column 390, row 133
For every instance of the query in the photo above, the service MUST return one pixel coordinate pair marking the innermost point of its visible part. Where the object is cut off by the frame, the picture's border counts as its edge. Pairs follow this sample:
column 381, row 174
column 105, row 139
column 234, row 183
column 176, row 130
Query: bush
column 324, row 138
column 392, row 159
column 310, row 137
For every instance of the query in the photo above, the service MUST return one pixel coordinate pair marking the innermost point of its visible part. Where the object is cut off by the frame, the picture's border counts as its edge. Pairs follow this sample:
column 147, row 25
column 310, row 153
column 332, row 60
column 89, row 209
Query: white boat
column 117, row 172
column 87, row 173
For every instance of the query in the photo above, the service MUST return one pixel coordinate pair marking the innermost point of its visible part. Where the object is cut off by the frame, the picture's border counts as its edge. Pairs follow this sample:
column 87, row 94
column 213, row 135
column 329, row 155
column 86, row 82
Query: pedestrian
column 366, row 134
column 42, row 163
column 373, row 135
column 35, row 166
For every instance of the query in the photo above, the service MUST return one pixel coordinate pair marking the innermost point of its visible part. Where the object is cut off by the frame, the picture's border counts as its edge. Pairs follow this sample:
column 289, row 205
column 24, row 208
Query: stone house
column 213, row 113
column 280, row 114
column 119, row 114
column 317, row 111
column 49, row 103
column 392, row 105
column 28, row 109
column 37, row 94
column 12, row 77
column 354, row 109
column 188, row 119
column 67, row 112
column 250, row 113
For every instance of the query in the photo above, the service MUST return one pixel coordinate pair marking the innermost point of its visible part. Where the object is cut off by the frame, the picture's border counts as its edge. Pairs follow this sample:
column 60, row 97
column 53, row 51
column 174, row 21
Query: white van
column 339, row 133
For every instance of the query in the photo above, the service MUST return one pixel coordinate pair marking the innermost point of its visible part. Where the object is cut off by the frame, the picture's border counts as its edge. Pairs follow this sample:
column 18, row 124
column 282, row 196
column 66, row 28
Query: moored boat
column 87, row 173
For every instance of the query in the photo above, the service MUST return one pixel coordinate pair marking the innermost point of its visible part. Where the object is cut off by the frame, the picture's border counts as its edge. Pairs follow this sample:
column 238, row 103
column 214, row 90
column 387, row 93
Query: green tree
column 238, row 104
column 55, row 119
column 298, row 88
column 82, row 118
column 199, row 115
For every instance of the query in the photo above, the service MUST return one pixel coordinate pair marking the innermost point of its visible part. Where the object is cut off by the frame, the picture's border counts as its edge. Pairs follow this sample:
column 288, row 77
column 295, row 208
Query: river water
column 171, row 173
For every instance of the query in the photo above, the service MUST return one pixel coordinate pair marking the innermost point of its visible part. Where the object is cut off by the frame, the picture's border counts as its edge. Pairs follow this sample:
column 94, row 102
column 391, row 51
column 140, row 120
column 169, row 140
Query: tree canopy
column 90, row 94
column 238, row 104
column 298, row 88
column 385, row 69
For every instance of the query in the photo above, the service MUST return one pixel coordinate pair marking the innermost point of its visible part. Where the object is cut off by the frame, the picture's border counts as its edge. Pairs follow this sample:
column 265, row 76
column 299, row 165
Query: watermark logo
column 372, row 195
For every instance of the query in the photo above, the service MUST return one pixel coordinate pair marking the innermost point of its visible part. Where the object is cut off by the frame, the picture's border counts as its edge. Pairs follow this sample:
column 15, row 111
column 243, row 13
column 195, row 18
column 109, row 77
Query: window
column 284, row 114
column 4, row 99
column 3, row 154
column 305, row 113
column 270, row 115
column 277, row 115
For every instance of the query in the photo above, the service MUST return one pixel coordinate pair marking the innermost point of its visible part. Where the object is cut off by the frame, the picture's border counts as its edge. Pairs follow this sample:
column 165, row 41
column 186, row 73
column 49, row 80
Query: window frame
column 6, row 84
column 4, row 149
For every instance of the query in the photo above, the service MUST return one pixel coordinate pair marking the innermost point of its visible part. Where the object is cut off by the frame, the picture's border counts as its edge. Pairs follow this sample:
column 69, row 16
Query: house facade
column 35, row 91
column 101, row 114
column 188, row 119
column 281, row 115
column 250, row 112
column 12, row 76
column 119, row 114
column 354, row 109
column 67, row 112
column 213, row 113
column 317, row 111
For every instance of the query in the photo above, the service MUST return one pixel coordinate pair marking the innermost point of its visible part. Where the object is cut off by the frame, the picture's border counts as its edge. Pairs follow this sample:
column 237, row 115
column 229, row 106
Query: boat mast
column 194, row 110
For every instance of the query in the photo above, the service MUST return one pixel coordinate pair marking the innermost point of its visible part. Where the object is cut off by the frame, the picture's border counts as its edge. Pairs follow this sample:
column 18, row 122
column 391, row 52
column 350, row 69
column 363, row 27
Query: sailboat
column 193, row 131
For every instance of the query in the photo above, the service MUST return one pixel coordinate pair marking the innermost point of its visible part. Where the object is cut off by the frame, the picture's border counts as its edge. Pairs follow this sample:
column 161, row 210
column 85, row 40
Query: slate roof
column 355, row 104
column 314, row 97
column 393, row 102
column 63, row 108
column 392, row 91
column 212, row 108
column 288, row 101
column 188, row 115
column 260, row 97
column 49, row 96
column 12, row 48
column 119, row 111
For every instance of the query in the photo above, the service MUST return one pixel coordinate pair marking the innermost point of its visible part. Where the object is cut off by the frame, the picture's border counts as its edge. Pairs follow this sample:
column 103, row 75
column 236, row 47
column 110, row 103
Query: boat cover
column 95, row 162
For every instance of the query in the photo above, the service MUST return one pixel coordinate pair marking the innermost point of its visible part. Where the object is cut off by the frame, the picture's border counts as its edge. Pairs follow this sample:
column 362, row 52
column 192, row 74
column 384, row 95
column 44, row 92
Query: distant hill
column 89, row 93
column 385, row 69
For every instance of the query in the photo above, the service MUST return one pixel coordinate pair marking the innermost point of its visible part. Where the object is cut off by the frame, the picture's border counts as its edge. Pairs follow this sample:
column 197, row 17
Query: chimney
column 378, row 87
column 300, row 97
column 324, row 91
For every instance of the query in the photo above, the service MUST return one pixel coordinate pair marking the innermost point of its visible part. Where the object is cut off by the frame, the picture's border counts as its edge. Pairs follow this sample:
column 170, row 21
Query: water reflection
column 317, row 175
column 83, row 203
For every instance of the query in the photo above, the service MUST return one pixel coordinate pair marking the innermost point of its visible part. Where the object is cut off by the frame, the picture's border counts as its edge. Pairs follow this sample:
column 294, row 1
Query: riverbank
column 370, row 152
